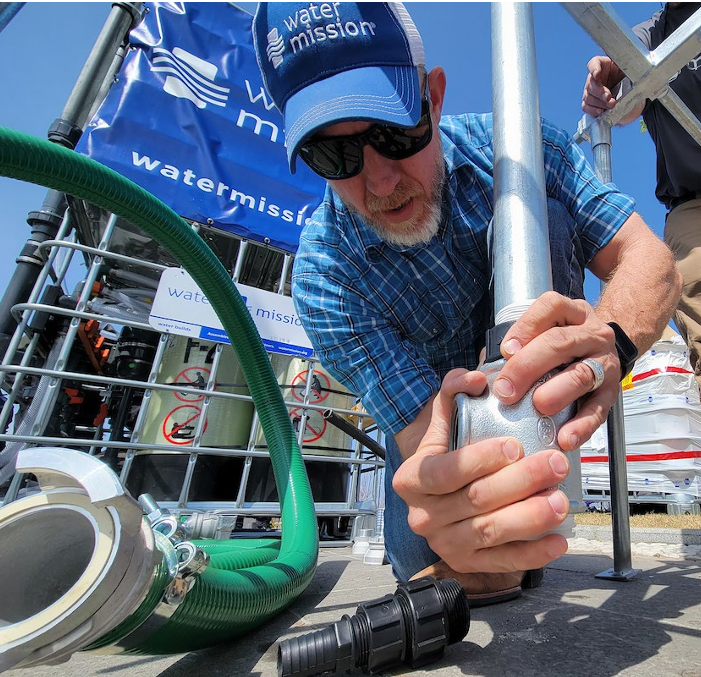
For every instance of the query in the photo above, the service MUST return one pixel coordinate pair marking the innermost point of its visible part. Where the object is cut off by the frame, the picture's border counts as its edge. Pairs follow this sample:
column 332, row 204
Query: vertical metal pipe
column 615, row 427
column 66, row 131
column 255, row 423
column 354, row 477
column 122, row 17
column 600, row 134
column 521, row 247
column 238, row 267
column 286, row 264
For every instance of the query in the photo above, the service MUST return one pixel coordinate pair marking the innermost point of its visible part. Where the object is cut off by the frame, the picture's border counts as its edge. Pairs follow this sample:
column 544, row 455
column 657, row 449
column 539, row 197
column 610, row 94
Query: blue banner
column 190, row 121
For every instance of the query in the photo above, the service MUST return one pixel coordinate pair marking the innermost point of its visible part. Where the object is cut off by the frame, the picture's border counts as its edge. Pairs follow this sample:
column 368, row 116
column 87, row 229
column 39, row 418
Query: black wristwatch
column 627, row 352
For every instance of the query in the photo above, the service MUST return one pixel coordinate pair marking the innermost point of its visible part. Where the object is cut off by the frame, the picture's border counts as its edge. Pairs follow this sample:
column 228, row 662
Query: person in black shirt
column 678, row 159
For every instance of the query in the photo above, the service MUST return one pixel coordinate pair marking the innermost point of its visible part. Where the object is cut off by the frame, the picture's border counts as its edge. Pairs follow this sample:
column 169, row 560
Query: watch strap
column 626, row 349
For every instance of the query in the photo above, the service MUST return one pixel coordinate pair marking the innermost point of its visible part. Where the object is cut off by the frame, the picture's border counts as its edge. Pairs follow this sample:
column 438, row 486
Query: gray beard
column 420, row 233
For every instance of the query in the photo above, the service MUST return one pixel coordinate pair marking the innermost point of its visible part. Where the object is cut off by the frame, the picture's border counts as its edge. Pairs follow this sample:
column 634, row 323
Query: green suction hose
column 244, row 585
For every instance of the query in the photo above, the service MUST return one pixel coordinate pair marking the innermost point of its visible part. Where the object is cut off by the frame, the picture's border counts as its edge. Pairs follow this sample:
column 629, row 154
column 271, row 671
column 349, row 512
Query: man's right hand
column 603, row 76
column 474, row 505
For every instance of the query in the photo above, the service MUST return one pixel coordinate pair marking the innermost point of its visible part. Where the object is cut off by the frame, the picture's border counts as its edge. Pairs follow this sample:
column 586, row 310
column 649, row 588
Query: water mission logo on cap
column 312, row 25
column 276, row 48
column 308, row 42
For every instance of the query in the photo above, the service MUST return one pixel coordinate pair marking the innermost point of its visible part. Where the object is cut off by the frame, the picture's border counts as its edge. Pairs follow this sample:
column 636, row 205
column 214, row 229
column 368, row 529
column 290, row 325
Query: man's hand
column 558, row 331
column 603, row 76
column 475, row 505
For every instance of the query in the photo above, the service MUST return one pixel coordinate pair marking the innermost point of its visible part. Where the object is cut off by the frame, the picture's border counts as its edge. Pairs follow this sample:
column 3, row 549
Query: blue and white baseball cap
column 329, row 62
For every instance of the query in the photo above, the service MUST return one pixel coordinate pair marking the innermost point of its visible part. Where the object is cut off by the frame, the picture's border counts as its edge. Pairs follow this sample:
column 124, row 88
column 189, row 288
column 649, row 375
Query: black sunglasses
column 341, row 157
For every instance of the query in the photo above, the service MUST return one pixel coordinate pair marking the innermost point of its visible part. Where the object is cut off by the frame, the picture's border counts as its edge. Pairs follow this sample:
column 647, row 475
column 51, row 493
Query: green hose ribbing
column 225, row 602
column 234, row 556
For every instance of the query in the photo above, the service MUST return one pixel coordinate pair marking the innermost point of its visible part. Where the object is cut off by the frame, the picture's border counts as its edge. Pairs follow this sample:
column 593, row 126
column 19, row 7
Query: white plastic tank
column 303, row 383
column 172, row 417
column 320, row 437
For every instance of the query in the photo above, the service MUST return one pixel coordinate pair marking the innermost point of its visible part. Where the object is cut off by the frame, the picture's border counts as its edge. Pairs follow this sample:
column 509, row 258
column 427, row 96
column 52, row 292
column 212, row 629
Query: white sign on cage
column 181, row 308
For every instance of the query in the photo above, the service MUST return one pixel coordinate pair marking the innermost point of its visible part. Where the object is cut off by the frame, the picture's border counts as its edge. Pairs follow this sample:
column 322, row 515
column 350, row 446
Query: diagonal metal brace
column 649, row 71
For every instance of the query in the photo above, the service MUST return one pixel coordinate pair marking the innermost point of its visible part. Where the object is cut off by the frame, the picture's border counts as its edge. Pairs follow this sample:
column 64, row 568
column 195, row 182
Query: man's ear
column 436, row 85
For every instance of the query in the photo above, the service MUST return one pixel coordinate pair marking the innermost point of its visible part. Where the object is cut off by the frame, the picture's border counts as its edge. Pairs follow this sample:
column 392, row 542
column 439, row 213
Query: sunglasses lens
column 397, row 143
column 338, row 158
column 342, row 157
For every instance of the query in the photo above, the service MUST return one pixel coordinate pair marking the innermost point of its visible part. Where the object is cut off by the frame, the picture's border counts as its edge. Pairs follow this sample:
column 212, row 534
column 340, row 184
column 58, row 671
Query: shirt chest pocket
column 423, row 319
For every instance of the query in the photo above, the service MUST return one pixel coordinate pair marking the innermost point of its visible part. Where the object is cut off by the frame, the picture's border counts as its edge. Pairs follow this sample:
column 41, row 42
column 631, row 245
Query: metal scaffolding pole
column 66, row 130
column 615, row 425
column 521, row 246
column 649, row 72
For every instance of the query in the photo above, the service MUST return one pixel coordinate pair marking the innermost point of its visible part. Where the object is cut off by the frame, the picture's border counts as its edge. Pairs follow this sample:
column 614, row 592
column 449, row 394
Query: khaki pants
column 682, row 234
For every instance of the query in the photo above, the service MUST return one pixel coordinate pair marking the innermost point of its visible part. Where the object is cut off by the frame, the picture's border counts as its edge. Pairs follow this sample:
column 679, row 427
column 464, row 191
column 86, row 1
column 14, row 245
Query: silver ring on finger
column 597, row 369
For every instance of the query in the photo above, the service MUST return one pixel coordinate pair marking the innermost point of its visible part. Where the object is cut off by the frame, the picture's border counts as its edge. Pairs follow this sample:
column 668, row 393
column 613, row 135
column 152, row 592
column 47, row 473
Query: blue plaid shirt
column 389, row 322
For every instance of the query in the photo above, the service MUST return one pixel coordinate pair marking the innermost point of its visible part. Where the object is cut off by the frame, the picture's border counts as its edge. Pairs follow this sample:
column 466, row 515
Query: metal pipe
column 520, row 245
column 615, row 426
column 347, row 427
column 600, row 134
column 66, row 131
column 520, row 227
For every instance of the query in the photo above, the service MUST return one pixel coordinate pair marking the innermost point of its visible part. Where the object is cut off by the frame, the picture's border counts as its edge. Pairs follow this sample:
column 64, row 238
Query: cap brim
column 389, row 94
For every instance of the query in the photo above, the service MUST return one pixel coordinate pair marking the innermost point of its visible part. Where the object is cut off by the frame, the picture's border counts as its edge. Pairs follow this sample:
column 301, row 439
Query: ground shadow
column 579, row 626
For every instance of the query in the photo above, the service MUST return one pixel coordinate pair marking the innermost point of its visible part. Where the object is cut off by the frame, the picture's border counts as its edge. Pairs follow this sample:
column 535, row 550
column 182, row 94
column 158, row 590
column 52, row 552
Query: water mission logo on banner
column 189, row 77
column 190, row 121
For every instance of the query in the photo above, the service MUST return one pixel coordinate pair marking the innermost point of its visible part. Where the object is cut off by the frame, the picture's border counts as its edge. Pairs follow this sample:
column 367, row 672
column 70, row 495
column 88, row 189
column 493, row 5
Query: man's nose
column 381, row 174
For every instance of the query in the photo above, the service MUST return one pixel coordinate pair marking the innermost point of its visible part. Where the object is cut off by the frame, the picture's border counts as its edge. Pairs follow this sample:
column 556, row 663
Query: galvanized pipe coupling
column 485, row 417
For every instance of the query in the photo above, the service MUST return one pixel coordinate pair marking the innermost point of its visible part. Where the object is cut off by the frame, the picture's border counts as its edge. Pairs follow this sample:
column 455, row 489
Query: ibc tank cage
column 170, row 414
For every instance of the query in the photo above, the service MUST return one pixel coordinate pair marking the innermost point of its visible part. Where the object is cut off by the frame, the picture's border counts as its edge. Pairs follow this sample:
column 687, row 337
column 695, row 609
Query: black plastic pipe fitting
column 412, row 626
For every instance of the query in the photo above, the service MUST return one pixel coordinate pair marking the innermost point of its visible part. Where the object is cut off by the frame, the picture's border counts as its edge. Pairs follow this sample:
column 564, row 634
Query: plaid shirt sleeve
column 598, row 209
column 349, row 332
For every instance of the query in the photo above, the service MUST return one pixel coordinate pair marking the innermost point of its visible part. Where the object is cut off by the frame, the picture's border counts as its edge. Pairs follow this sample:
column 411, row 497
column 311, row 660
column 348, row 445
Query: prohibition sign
column 179, row 425
column 319, row 390
column 314, row 428
column 192, row 376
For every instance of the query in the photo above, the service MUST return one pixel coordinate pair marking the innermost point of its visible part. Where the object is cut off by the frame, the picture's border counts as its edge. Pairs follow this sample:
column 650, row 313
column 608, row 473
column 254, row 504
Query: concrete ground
column 575, row 624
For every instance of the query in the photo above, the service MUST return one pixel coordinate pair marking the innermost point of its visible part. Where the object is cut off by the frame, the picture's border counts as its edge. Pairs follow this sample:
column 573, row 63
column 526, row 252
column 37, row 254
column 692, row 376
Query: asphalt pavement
column 574, row 625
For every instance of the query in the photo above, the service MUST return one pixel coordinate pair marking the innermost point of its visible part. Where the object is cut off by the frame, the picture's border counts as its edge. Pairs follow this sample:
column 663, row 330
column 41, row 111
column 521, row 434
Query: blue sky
column 44, row 47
